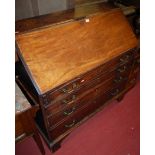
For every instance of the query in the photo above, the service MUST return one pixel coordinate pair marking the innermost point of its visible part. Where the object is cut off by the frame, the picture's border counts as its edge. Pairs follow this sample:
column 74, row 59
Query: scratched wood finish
column 57, row 54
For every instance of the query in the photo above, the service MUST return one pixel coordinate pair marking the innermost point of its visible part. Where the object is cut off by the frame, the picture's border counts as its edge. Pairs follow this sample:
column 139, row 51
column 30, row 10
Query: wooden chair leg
column 38, row 141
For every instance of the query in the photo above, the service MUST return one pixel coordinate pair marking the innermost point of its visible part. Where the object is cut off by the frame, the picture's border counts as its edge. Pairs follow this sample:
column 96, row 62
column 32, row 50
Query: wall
column 47, row 6
column 30, row 8
column 23, row 9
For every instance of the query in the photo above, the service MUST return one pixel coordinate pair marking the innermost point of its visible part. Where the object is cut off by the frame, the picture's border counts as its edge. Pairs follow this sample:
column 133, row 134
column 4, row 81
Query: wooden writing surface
column 60, row 53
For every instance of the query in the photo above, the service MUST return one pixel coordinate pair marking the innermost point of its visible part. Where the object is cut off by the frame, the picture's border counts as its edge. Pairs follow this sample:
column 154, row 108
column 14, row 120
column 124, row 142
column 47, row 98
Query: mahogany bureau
column 73, row 63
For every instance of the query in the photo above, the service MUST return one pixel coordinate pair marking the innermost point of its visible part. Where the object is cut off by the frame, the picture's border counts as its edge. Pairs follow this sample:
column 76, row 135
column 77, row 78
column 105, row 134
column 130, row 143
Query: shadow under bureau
column 73, row 63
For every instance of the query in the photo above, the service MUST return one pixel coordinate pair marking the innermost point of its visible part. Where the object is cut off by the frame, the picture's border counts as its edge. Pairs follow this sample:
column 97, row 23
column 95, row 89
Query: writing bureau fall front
column 73, row 63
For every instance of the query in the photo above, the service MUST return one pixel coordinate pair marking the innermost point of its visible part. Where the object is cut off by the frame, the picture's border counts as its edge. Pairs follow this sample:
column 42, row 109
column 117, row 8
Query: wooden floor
column 113, row 131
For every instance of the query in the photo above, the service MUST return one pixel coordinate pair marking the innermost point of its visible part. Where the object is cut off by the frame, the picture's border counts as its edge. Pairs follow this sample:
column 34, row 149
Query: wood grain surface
column 60, row 53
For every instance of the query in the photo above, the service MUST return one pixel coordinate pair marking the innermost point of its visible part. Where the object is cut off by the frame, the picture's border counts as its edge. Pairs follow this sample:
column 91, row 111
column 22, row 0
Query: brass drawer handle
column 121, row 70
column 98, row 79
column 115, row 92
column 124, row 60
column 75, row 85
column 68, row 90
column 65, row 90
column 69, row 112
column 69, row 100
column 118, row 80
column 70, row 125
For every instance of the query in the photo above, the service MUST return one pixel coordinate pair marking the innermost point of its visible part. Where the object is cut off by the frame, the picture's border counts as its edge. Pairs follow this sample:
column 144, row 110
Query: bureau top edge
column 78, row 13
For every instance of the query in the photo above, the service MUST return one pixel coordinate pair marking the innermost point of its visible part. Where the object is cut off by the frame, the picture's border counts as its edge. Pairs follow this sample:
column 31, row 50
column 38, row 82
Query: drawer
column 61, row 114
column 77, row 95
column 83, row 112
column 137, row 53
column 70, row 102
column 74, row 119
column 133, row 78
column 86, row 78
column 134, row 73
column 70, row 98
column 137, row 64
column 132, row 81
column 124, row 70
column 70, row 110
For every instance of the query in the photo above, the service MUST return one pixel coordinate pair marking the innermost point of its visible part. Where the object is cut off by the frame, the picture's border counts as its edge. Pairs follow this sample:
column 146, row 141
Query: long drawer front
column 134, row 73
